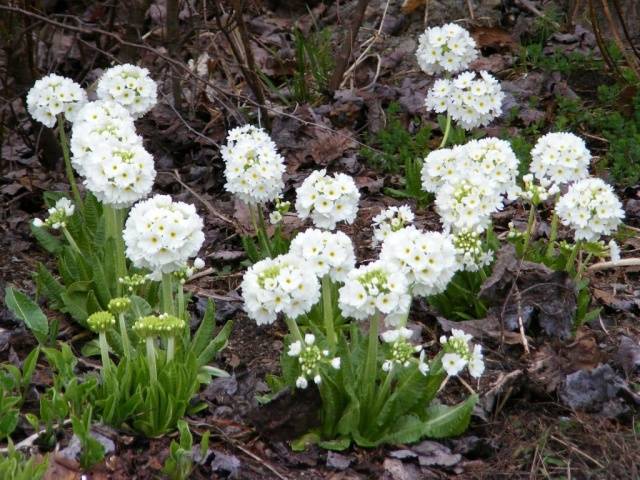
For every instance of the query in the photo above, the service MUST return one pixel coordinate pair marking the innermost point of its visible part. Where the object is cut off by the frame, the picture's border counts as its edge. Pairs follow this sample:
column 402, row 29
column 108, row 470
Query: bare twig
column 27, row 442
column 625, row 262
column 348, row 42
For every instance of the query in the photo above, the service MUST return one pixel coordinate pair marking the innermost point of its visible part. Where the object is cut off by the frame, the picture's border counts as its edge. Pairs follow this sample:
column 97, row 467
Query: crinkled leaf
column 444, row 421
column 26, row 310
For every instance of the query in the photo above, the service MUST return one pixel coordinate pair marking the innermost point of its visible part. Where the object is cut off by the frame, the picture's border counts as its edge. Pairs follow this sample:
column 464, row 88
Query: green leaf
column 26, row 310
column 204, row 333
column 339, row 444
column 49, row 286
column 217, row 344
column 444, row 421
column 50, row 243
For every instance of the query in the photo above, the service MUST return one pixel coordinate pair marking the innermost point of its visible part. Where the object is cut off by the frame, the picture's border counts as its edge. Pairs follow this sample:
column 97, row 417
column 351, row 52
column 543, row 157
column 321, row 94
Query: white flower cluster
column 427, row 259
column 53, row 95
column 469, row 100
column 311, row 359
column 560, row 158
column 591, row 208
column 281, row 284
column 376, row 287
column 449, row 48
column 327, row 200
column 253, row 166
column 98, row 124
column 119, row 174
column 490, row 158
column 131, row 87
column 58, row 215
column 391, row 220
column 471, row 255
column 402, row 351
column 536, row 193
column 161, row 235
column 327, row 253
column 458, row 354
column 281, row 208
column 468, row 204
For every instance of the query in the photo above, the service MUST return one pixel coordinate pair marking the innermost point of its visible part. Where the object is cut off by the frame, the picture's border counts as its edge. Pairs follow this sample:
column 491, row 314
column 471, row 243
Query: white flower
column 376, row 287
column 275, row 217
column 327, row 200
column 99, row 125
column 326, row 253
column 160, row 234
column 130, row 86
column 198, row 263
column 253, row 166
column 119, row 174
column 614, row 251
column 400, row 333
column 440, row 166
column 302, row 383
column 277, row 285
column 295, row 348
column 591, row 208
column 391, row 220
column 309, row 339
column 423, row 366
column 560, row 158
column 53, row 95
column 470, row 101
column 453, row 363
column 428, row 259
column 476, row 362
column 471, row 254
column 335, row 363
column 317, row 379
column 449, row 48
column 58, row 215
column 468, row 204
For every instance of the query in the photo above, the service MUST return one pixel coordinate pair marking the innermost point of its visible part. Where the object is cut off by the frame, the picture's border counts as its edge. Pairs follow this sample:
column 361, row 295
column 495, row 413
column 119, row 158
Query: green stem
column 371, row 361
column 124, row 336
column 293, row 329
column 104, row 349
column 529, row 233
column 447, row 131
column 167, row 294
column 181, row 313
column 171, row 348
column 327, row 311
column 554, row 229
column 257, row 219
column 71, row 241
column 64, row 143
column 384, row 391
column 151, row 359
column 113, row 226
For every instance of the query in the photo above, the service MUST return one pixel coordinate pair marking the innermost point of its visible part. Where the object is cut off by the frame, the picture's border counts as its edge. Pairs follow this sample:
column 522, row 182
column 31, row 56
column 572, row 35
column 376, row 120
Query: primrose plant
column 376, row 386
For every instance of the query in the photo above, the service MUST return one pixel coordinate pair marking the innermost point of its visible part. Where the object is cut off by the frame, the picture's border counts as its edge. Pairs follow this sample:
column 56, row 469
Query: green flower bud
column 101, row 321
column 119, row 305
column 149, row 326
column 173, row 325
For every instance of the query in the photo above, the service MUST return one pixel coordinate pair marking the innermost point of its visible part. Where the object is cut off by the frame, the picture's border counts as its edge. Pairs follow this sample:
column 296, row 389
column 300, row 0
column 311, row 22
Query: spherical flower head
column 441, row 166
column 427, row 259
column 591, row 208
column 449, row 48
column 468, row 204
column 253, row 166
column 173, row 326
column 458, row 353
column 119, row 305
column 326, row 253
column 470, row 101
column 492, row 158
column 310, row 360
column 54, row 95
column 149, row 326
column 119, row 175
column 99, row 125
column 161, row 235
column 58, row 215
column 471, row 254
column 327, row 200
column 130, row 86
column 391, row 220
column 376, row 287
column 100, row 322
column 560, row 158
column 280, row 284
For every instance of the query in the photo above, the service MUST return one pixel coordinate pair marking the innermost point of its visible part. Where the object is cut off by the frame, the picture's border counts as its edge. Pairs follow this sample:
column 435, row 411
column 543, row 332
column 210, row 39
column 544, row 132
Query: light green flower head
column 173, row 325
column 163, row 325
column 119, row 305
column 100, row 322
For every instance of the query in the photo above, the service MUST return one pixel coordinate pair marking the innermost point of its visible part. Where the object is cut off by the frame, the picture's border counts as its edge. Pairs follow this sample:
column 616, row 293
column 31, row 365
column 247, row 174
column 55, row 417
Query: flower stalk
column 151, row 358
column 327, row 311
column 64, row 144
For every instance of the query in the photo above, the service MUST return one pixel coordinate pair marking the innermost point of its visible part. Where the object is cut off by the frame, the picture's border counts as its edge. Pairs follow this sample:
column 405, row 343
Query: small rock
column 338, row 461
column 628, row 355
column 228, row 465
column 590, row 389
column 434, row 453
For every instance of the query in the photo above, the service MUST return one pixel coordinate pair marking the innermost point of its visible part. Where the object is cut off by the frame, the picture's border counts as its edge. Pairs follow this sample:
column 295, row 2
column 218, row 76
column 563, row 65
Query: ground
column 550, row 407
